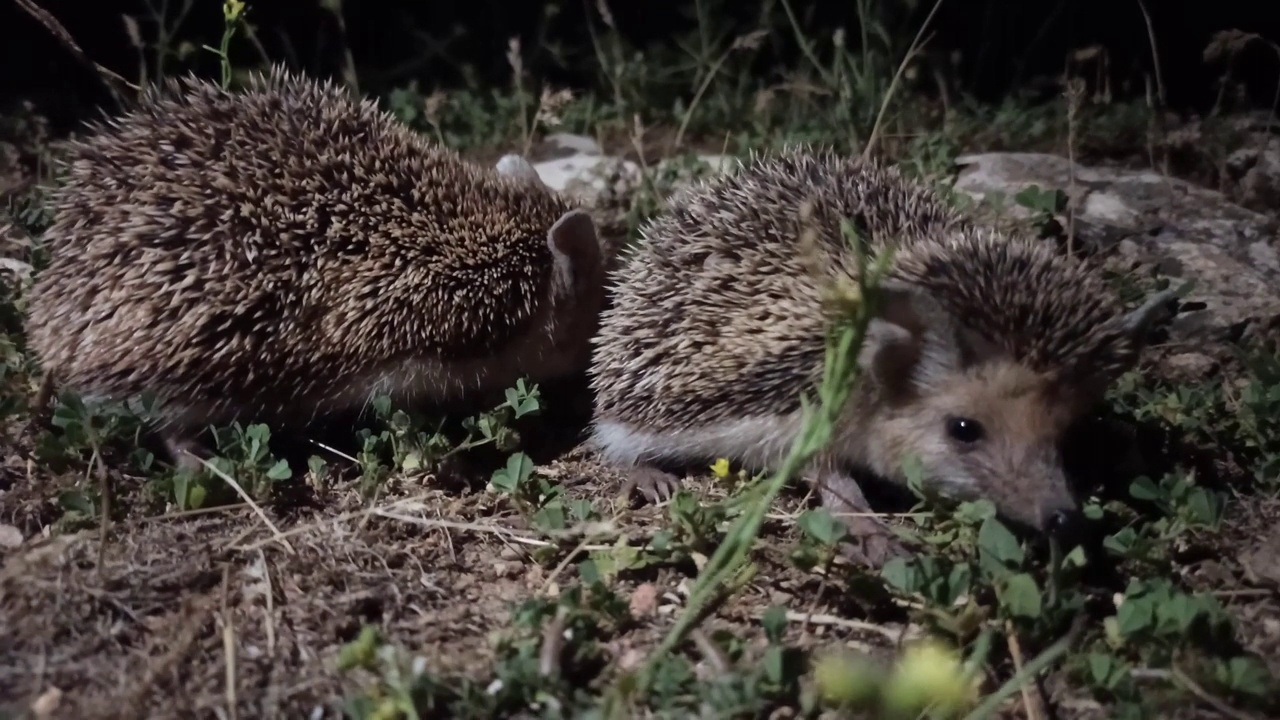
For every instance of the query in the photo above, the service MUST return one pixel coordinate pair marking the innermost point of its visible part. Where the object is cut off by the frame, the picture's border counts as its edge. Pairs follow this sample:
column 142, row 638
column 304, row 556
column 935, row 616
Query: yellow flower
column 721, row 468
column 231, row 9
column 929, row 675
column 848, row 681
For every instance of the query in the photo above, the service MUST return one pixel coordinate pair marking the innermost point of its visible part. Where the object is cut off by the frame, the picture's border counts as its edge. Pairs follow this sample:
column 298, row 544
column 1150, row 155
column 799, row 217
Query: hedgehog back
column 719, row 310
column 287, row 234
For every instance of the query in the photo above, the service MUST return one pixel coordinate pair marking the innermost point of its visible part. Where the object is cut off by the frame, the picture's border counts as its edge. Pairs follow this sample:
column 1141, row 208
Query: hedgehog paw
column 185, row 453
column 870, row 541
column 653, row 484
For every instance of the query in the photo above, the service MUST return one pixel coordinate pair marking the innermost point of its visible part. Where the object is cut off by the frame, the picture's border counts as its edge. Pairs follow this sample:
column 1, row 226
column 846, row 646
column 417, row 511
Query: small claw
column 185, row 453
column 655, row 485
column 871, row 543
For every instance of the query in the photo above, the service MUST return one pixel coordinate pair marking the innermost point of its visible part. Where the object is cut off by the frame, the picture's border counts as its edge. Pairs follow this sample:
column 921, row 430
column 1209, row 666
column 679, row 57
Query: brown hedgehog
column 285, row 251
column 985, row 351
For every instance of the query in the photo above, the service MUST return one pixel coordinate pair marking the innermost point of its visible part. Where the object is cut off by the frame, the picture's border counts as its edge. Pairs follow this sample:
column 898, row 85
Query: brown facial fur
column 1016, row 464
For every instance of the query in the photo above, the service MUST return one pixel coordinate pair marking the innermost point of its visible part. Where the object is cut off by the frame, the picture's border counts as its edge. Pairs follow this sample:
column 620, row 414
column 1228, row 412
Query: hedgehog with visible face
column 985, row 350
column 283, row 252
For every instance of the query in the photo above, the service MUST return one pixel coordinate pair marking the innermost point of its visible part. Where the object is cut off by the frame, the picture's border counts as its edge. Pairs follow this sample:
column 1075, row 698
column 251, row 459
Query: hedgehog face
column 993, row 433
column 979, row 424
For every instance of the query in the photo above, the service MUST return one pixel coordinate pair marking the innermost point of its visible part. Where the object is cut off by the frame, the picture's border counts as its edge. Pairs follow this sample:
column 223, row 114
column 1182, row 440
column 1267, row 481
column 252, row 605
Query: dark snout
column 1064, row 524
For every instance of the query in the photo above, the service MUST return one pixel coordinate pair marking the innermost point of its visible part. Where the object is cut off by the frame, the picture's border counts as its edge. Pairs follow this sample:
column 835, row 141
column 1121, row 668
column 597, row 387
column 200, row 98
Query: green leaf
column 360, row 652
column 1247, row 676
column 775, row 623
column 181, row 483
column 1106, row 670
column 1204, row 507
column 196, row 496
column 582, row 510
column 76, row 501
column 501, row 480
column 316, row 465
column 519, row 467
column 1179, row 612
column 550, row 517
column 589, row 572
column 1075, row 558
column 1100, row 667
column 280, row 471
column 996, row 540
column 821, row 526
column 1144, row 489
column 64, row 417
column 901, row 574
column 959, row 581
column 259, row 432
column 773, row 666
column 973, row 512
column 1121, row 542
column 1022, row 596
column 1134, row 616
column 411, row 461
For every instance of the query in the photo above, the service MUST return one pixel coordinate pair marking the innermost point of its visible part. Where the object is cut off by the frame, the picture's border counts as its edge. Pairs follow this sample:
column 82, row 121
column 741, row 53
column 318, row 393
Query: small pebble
column 10, row 536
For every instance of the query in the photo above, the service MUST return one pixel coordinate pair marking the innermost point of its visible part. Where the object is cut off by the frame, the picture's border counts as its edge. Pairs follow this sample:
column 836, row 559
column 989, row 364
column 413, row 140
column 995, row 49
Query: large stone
column 587, row 175
column 565, row 144
column 1254, row 168
column 1183, row 230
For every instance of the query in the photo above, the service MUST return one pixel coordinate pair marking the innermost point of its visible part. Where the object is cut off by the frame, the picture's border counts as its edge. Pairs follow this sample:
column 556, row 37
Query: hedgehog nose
column 1062, row 523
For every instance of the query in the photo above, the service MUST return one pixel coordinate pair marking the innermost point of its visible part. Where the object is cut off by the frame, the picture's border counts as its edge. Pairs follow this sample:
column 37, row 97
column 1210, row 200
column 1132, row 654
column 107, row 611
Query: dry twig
column 112, row 80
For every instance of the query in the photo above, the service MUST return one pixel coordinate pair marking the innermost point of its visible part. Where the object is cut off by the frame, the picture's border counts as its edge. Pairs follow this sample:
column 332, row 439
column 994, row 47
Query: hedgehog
column 984, row 350
column 284, row 251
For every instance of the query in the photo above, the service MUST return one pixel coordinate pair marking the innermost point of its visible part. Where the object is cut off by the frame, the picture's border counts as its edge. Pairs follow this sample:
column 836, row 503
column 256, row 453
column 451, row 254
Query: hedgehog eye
column 964, row 430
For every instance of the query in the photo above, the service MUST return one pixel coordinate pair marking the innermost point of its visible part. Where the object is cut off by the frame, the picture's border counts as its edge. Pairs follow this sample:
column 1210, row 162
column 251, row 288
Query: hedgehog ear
column 575, row 245
column 515, row 166
column 901, row 350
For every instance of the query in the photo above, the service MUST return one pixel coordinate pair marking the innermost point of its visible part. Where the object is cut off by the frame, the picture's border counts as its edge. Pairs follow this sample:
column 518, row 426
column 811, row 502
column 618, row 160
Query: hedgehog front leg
column 654, row 484
column 873, row 542
column 185, row 450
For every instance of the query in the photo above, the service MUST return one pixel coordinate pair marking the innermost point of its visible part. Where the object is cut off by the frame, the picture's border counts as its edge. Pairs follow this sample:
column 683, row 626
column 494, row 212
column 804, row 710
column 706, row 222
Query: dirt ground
column 157, row 622
column 152, row 623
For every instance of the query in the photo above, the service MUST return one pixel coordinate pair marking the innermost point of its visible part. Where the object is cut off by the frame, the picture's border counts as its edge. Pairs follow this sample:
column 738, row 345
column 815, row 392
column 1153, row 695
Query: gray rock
column 1191, row 366
column 1183, row 230
column 1255, row 168
column 585, row 176
column 565, row 144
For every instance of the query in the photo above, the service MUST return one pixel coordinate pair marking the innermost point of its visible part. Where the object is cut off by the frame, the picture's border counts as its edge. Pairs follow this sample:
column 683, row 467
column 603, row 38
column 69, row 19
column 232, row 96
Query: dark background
column 1002, row 44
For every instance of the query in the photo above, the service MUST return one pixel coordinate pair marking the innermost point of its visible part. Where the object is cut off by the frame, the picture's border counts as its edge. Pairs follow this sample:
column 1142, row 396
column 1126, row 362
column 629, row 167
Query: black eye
column 964, row 430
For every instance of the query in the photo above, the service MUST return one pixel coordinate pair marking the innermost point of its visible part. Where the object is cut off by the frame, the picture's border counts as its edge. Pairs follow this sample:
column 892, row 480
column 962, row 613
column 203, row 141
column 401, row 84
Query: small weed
column 402, row 446
column 233, row 12
column 244, row 453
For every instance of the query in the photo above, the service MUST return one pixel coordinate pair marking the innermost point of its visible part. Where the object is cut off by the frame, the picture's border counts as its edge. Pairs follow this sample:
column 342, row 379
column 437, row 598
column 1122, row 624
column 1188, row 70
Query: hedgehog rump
column 277, row 241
